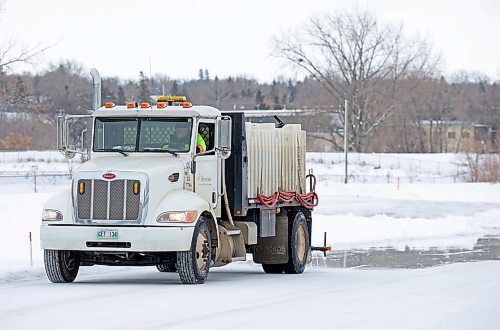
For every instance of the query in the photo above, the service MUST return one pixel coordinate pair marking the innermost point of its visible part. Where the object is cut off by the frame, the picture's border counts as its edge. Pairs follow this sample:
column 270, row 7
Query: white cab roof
column 153, row 111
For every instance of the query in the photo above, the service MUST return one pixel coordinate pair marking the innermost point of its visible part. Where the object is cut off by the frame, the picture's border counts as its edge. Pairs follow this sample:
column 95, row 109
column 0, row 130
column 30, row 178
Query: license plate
column 107, row 234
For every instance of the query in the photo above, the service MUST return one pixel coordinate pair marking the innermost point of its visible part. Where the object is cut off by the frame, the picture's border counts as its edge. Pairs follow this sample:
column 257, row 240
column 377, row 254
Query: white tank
column 276, row 158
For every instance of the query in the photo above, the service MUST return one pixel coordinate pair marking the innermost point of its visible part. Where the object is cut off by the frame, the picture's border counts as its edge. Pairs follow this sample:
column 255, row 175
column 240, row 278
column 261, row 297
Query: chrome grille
column 108, row 200
column 85, row 200
column 116, row 188
column 100, row 200
column 133, row 200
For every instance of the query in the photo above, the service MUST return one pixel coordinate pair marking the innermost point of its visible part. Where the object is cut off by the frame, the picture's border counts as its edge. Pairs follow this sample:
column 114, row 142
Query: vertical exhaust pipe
column 96, row 79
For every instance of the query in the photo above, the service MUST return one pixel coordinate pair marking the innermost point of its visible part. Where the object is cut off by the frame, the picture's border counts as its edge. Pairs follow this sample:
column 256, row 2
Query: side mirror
column 63, row 137
column 223, row 147
column 70, row 152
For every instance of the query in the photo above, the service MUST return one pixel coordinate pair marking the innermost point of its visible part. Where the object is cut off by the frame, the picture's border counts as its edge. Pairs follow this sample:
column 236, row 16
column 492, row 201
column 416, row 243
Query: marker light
column 109, row 105
column 187, row 105
column 167, row 98
column 145, row 105
column 81, row 187
column 161, row 105
column 137, row 187
column 131, row 105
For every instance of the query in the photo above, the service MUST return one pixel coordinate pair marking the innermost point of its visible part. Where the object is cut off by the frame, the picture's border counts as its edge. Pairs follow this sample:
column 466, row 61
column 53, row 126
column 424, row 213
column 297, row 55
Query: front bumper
column 141, row 239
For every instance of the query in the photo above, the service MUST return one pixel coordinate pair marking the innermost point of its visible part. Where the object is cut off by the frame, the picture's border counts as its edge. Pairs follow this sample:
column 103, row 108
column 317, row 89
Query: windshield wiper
column 150, row 149
column 121, row 151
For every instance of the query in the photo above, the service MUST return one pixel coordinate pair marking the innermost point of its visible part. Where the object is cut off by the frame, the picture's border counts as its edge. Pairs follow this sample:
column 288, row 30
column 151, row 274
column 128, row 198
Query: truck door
column 206, row 179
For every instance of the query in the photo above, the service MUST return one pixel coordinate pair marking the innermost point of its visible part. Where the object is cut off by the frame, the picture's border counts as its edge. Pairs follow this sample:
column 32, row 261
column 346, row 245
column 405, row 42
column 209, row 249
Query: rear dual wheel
column 298, row 247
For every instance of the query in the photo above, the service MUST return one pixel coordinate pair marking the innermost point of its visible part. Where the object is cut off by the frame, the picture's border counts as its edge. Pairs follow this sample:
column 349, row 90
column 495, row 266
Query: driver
column 180, row 140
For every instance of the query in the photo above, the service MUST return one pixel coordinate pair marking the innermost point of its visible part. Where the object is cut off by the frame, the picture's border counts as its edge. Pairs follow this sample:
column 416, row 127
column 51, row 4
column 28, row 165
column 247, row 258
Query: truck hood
column 148, row 165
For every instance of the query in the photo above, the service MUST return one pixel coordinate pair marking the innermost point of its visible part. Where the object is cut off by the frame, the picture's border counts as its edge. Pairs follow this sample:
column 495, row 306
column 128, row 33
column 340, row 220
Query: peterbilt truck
column 147, row 196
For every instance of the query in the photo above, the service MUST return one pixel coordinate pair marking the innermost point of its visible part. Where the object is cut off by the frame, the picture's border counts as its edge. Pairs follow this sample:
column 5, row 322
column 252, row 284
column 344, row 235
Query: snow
column 355, row 216
column 241, row 296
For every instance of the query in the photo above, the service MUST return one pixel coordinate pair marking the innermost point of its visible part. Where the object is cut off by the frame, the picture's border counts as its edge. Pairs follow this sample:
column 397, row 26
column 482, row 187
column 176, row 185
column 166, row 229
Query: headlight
column 51, row 215
column 187, row 216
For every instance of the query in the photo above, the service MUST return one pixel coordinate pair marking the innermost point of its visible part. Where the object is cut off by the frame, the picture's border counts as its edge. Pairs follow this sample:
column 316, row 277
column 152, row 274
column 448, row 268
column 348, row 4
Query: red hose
column 308, row 200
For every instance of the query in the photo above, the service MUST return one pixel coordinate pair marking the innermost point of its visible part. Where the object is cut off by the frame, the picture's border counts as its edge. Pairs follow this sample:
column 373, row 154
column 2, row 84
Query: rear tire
column 193, row 265
column 273, row 268
column 61, row 266
column 298, row 244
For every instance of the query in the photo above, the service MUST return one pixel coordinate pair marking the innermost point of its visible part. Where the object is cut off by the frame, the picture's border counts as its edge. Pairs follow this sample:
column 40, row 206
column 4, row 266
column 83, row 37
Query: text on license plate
column 107, row 234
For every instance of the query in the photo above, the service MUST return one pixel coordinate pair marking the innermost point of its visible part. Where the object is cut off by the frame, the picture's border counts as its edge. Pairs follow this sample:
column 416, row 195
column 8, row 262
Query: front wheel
column 61, row 266
column 193, row 265
column 298, row 244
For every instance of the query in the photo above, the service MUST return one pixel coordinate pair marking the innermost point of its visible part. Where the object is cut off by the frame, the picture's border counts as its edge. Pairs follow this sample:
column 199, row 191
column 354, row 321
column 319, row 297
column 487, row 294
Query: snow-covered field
column 377, row 213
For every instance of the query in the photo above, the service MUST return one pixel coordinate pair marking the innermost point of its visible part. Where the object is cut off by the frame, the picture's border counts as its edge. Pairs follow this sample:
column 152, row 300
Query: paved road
column 458, row 296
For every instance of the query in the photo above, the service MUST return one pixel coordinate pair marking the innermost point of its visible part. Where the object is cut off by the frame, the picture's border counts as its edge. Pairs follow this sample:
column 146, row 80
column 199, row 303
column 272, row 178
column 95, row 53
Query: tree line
column 392, row 85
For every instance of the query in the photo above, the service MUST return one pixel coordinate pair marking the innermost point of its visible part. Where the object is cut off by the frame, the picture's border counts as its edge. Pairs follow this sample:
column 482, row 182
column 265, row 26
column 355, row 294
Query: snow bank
column 356, row 215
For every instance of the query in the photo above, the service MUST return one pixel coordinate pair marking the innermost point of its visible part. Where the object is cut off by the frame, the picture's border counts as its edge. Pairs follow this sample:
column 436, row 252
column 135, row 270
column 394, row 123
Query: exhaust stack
column 96, row 78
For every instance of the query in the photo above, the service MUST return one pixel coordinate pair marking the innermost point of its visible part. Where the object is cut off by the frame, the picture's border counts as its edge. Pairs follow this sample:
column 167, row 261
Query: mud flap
column 273, row 250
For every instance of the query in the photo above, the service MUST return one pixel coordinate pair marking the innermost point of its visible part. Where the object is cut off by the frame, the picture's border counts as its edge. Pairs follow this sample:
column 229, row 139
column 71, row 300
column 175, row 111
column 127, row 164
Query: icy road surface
column 241, row 296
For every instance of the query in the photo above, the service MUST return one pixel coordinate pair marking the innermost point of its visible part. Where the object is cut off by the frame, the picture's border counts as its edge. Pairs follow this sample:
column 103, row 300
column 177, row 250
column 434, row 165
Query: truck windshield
column 143, row 134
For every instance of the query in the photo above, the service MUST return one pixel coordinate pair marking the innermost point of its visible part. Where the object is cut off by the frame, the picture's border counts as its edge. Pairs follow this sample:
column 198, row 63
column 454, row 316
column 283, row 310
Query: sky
column 230, row 37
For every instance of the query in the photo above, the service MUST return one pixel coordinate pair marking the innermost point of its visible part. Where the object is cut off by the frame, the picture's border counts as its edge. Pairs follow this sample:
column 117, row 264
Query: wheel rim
column 69, row 260
column 202, row 251
column 301, row 243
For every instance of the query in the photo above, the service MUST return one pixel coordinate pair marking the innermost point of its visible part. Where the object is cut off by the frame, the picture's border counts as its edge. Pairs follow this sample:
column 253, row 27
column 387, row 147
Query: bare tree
column 356, row 58
column 12, row 53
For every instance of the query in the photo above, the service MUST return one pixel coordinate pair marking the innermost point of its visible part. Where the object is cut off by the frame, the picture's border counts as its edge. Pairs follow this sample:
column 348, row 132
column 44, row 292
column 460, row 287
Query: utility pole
column 345, row 138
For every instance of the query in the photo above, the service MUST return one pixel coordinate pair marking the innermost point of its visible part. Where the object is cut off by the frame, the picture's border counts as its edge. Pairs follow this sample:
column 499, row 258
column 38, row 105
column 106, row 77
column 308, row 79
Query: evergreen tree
column 20, row 92
column 175, row 88
column 259, row 101
column 207, row 76
column 291, row 91
column 143, row 88
column 200, row 74
column 120, row 99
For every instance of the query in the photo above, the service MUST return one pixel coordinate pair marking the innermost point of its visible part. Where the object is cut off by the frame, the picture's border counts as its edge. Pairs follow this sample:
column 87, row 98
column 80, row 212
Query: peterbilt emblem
column 173, row 177
column 109, row 176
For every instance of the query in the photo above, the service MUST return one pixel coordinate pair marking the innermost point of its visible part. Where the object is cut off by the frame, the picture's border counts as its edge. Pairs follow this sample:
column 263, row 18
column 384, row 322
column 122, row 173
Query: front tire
column 298, row 244
column 61, row 266
column 193, row 265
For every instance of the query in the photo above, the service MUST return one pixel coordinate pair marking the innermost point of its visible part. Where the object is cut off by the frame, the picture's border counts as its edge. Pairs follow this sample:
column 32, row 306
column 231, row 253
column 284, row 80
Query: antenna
column 280, row 122
column 149, row 68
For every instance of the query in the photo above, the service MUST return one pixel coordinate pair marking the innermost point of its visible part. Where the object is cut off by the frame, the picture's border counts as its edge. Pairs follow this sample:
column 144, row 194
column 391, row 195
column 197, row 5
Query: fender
column 184, row 200
column 60, row 201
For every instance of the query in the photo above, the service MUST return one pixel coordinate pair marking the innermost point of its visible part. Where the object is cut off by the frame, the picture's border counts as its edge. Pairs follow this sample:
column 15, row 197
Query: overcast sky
column 232, row 37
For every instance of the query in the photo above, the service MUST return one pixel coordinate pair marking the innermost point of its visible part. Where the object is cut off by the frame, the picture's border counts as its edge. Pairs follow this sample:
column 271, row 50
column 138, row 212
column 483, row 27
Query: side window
column 207, row 132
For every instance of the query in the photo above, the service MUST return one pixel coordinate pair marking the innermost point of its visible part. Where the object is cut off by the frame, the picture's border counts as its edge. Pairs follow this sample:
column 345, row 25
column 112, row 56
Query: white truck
column 144, row 198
